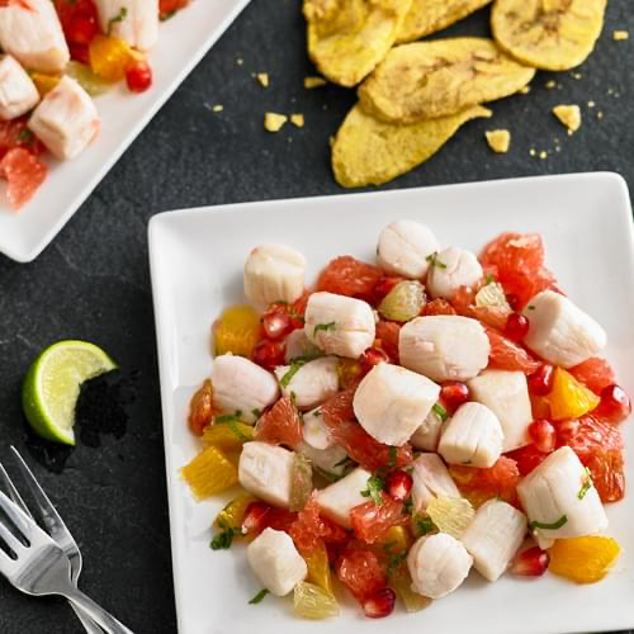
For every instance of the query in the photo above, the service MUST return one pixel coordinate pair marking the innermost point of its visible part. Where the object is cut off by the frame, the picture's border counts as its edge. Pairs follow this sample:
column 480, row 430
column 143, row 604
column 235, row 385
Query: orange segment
column 210, row 472
column 228, row 436
column 237, row 331
column 319, row 568
column 569, row 398
column 110, row 56
column 583, row 559
column 232, row 515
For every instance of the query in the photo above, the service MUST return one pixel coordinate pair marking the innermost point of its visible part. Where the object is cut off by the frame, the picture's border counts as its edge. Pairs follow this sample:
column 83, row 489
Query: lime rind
column 52, row 384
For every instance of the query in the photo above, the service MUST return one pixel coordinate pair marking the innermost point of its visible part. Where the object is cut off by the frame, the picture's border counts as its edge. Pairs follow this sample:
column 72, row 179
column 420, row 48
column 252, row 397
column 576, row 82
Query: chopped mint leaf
column 586, row 486
column 408, row 506
column 291, row 372
column 317, row 412
column 120, row 17
column 259, row 596
column 424, row 525
column 375, row 487
column 489, row 279
column 396, row 560
column 229, row 418
column 440, row 411
column 467, row 462
column 223, row 540
column 530, row 307
column 236, row 431
column 325, row 327
column 165, row 16
column 434, row 261
column 551, row 527
column 393, row 456
column 256, row 412
column 25, row 136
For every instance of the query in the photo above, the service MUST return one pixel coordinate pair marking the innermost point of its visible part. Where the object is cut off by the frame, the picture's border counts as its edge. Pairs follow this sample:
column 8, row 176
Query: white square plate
column 182, row 43
column 196, row 263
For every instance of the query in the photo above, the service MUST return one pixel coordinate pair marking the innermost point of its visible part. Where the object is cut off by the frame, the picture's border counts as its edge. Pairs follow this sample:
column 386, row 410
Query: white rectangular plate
column 196, row 263
column 183, row 42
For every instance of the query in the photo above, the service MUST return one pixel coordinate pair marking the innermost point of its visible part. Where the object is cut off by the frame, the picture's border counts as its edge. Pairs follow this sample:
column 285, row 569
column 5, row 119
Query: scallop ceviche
column 394, row 427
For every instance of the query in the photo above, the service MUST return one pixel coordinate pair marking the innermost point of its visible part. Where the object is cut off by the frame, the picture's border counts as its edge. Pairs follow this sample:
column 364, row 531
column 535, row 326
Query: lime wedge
column 51, row 386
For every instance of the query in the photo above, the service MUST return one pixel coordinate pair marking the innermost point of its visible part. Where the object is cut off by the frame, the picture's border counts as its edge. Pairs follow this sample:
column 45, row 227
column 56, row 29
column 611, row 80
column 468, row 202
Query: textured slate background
column 93, row 281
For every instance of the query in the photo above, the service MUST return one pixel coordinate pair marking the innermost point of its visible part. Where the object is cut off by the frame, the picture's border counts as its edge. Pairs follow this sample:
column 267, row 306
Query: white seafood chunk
column 242, row 386
column 473, row 436
column 133, row 21
column 339, row 325
column 267, row 472
column 431, row 479
column 331, row 460
column 337, row 500
column 275, row 561
column 18, row 93
column 31, row 32
column 404, row 247
column 444, row 347
column 494, row 537
column 312, row 383
column 273, row 273
column 438, row 564
column 426, row 437
column 66, row 120
column 452, row 268
column 560, row 332
column 506, row 395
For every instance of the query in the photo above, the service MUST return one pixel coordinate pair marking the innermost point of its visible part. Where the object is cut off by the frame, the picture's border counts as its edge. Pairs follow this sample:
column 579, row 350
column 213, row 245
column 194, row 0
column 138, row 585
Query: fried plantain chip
column 367, row 151
column 429, row 16
column 548, row 34
column 426, row 80
column 348, row 38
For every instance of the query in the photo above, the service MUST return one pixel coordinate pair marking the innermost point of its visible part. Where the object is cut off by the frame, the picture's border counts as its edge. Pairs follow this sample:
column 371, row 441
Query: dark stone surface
column 93, row 283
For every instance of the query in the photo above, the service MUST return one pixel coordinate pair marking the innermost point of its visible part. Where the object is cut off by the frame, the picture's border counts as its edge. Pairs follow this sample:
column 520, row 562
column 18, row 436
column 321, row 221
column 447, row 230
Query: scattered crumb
column 620, row 36
column 591, row 104
column 532, row 151
column 570, row 116
column 331, row 141
column 551, row 84
column 576, row 75
column 273, row 122
column 498, row 140
column 525, row 90
column 600, row 115
column 610, row 91
column 297, row 120
column 557, row 148
column 218, row 108
column 543, row 155
column 239, row 61
column 314, row 82
column 263, row 78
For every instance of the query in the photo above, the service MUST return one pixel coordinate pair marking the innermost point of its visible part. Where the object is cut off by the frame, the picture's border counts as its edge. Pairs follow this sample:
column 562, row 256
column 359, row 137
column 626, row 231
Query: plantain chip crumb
column 498, row 140
column 273, row 122
column 543, row 155
column 620, row 36
column 218, row 108
column 297, row 120
column 525, row 90
column 570, row 116
column 314, row 82
column 551, row 84
column 263, row 78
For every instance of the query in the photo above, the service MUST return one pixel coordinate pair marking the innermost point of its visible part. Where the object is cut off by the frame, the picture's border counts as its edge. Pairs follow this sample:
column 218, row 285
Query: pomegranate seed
column 540, row 383
column 380, row 604
column 82, row 29
column 372, row 357
column 531, row 563
column 615, row 404
column 138, row 76
column 253, row 520
column 566, row 431
column 276, row 324
column 516, row 326
column 384, row 286
column 543, row 435
column 399, row 484
column 514, row 301
column 454, row 394
column 269, row 354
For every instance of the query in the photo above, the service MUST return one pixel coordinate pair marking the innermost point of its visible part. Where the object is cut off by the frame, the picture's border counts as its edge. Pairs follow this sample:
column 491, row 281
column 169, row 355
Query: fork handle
column 105, row 620
column 89, row 625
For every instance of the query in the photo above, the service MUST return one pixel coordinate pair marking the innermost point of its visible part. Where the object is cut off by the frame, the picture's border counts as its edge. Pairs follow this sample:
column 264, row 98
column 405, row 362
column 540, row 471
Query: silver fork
column 54, row 525
column 41, row 568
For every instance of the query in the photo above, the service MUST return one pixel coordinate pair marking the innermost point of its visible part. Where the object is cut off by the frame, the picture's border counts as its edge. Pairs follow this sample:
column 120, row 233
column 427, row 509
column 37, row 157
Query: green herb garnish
column 122, row 15
column 256, row 412
column 259, row 596
column 531, row 307
column 550, row 527
column 587, row 484
column 393, row 456
column 167, row 15
column 296, row 366
column 325, row 327
column 223, row 540
column 434, row 261
column 395, row 561
column 375, row 487
column 440, row 411
column 229, row 418
column 424, row 525
column 408, row 507
column 489, row 279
